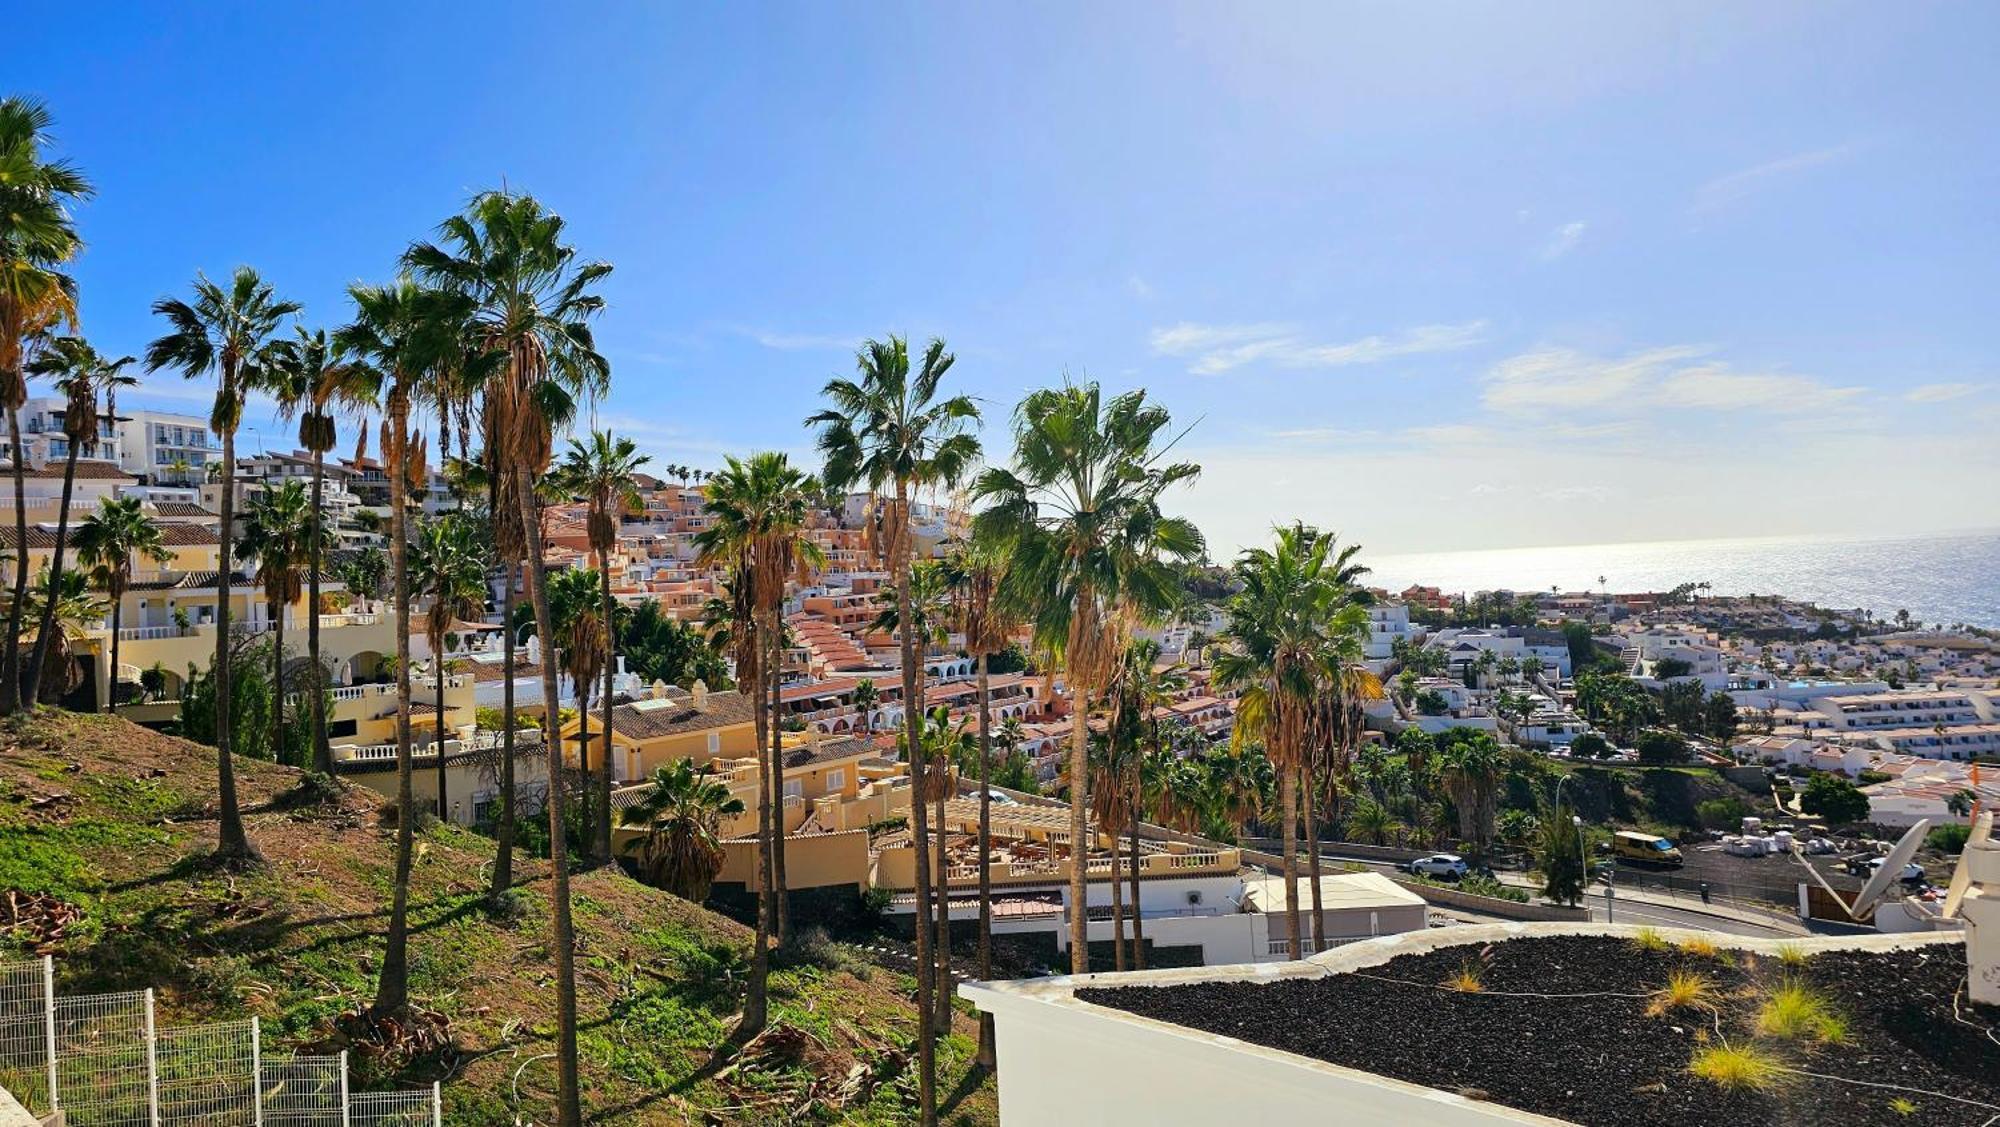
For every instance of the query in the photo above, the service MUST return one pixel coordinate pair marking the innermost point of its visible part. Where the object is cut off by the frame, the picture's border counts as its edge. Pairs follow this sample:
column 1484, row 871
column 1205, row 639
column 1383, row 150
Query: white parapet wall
column 1062, row 1060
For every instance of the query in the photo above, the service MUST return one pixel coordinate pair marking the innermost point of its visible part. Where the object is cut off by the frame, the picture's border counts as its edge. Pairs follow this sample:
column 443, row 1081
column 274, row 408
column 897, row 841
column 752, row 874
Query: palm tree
column 759, row 510
column 37, row 236
column 679, row 815
column 1079, row 514
column 866, row 697
column 225, row 332
column 582, row 646
column 402, row 328
column 447, row 567
column 1279, row 633
column 108, row 541
column 1372, row 821
column 277, row 536
column 889, row 431
column 66, row 603
column 976, row 575
column 1141, row 690
column 1471, row 769
column 531, row 305
column 930, row 619
column 605, row 473
column 316, row 379
column 79, row 372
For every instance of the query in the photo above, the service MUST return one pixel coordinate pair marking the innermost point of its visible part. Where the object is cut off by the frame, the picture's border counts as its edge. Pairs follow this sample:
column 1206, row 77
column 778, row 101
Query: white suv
column 1449, row 866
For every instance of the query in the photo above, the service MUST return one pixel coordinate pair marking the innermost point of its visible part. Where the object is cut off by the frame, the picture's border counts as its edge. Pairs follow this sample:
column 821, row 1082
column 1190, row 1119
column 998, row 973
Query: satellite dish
column 1982, row 830
column 1878, row 885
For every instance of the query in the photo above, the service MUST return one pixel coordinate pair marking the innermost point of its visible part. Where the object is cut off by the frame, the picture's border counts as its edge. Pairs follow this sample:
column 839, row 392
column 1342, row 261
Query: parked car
column 1911, row 873
column 1444, row 866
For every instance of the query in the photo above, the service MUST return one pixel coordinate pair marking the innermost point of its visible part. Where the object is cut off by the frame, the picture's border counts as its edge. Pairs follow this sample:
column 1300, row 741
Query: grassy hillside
column 103, row 827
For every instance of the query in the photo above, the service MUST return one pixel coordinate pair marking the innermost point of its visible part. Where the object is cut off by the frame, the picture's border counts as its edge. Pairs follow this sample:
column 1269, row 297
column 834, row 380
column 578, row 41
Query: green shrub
column 1949, row 838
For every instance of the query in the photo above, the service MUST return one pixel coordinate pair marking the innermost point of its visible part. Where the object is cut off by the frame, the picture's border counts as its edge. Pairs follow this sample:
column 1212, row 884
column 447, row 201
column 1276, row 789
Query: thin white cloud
column 1727, row 189
column 1563, row 240
column 1222, row 348
column 805, row 342
column 1567, row 381
column 1940, row 392
column 1139, row 287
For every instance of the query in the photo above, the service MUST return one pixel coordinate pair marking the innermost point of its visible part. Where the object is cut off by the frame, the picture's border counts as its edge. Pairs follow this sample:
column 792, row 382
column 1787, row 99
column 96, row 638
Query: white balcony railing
column 147, row 633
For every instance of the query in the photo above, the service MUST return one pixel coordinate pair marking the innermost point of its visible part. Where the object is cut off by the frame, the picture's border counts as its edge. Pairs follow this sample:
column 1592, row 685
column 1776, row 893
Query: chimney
column 700, row 694
column 659, row 690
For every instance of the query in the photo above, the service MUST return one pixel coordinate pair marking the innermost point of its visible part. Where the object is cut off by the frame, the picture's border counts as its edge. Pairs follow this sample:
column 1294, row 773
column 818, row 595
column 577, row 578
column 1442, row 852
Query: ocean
column 1947, row 577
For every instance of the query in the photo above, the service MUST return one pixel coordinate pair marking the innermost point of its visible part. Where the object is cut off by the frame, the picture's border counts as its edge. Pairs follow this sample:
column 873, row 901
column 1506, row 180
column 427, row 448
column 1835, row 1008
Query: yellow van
column 1634, row 846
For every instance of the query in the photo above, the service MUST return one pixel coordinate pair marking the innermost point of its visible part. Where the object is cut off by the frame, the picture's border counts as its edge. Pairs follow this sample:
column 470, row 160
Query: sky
column 1433, row 276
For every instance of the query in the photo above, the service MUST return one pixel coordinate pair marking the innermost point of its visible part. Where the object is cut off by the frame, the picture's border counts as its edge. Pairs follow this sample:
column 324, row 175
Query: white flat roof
column 1337, row 891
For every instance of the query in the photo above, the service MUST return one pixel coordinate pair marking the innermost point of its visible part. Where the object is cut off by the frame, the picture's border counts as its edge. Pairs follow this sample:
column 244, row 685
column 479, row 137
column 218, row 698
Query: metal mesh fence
column 393, row 1109
column 304, row 1091
column 208, row 1075
column 104, row 1059
column 25, row 1050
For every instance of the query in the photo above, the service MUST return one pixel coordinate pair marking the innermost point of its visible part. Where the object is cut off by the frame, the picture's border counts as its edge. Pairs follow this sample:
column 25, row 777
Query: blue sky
column 1464, row 276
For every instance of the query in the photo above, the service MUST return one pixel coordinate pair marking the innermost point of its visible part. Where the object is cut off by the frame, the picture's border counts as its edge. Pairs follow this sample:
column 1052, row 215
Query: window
column 836, row 780
column 714, row 742
column 795, row 788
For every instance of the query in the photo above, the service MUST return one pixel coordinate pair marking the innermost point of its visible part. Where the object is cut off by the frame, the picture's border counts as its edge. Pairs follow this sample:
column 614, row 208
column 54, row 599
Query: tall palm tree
column 37, row 236
column 531, row 306
column 1278, row 635
column 447, row 567
column 1141, row 691
column 402, row 328
column 313, row 377
column 604, row 472
column 79, row 372
column 889, row 431
column 679, row 816
column 108, row 542
column 1079, row 513
column 226, row 332
column 277, row 537
column 582, row 647
column 977, row 574
column 930, row 619
column 760, row 510
column 866, row 697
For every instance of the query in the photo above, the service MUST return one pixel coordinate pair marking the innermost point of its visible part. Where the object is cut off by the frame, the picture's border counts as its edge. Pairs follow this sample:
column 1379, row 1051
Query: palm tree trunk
column 1117, row 907
column 1079, row 830
column 610, row 679
column 986, row 1056
column 117, row 593
column 277, row 682
column 10, row 656
column 569, row 1104
column 781, row 919
column 913, row 732
column 1288, row 798
column 586, row 810
column 1312, row 860
column 756, row 1002
column 233, row 842
column 46, row 630
column 322, row 752
column 941, row 837
column 437, row 664
column 392, row 993
column 1138, row 925
column 503, row 855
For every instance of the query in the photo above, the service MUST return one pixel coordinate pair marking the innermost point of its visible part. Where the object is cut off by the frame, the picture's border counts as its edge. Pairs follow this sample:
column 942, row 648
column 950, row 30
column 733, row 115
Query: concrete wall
column 811, row 861
column 1495, row 906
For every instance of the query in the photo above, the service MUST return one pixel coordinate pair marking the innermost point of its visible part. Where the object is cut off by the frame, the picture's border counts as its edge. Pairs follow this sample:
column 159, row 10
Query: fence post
column 256, row 1073
column 152, row 1065
column 343, row 1088
column 49, row 1025
column 437, row 1104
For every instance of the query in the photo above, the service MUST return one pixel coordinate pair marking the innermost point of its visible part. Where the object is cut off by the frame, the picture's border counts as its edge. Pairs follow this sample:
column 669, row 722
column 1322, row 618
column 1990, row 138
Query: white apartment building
column 1387, row 624
column 43, row 440
column 159, row 447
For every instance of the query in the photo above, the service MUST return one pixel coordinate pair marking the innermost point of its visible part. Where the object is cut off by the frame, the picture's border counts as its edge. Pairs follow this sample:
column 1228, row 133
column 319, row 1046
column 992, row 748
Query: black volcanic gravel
column 1602, row 1061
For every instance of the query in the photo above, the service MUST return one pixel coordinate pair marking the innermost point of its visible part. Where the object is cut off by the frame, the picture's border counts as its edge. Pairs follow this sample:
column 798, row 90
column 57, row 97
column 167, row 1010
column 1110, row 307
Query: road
column 1621, row 909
